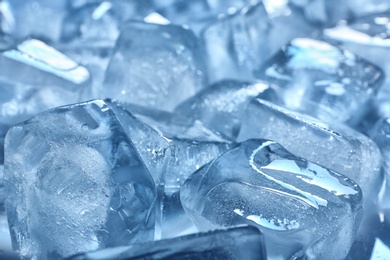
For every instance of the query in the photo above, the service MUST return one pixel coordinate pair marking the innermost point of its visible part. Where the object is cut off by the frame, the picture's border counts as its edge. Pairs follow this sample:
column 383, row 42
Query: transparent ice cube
column 74, row 169
column 322, row 80
column 303, row 209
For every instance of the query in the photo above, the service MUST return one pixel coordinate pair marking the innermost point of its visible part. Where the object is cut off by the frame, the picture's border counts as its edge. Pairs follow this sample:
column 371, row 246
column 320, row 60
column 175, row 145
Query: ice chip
column 303, row 209
column 169, row 157
column 243, row 242
column 154, row 65
column 220, row 105
column 322, row 80
column 336, row 147
column 74, row 169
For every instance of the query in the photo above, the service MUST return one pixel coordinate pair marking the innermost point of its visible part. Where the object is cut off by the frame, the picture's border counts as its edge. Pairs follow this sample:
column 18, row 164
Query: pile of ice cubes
column 194, row 129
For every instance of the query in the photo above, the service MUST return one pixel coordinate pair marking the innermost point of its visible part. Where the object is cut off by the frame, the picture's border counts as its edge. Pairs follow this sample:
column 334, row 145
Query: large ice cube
column 170, row 158
column 238, row 43
column 154, row 65
column 220, row 105
column 322, row 80
column 234, row 243
column 74, row 169
column 336, row 147
column 301, row 208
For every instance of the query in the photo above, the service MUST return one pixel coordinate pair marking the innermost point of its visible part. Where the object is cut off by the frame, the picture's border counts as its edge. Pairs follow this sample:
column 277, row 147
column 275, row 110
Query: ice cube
column 238, row 43
column 158, row 73
column 322, row 80
column 41, row 19
column 369, row 38
column 302, row 209
column 74, row 169
column 335, row 146
column 243, row 242
column 35, row 77
column 220, row 105
column 170, row 159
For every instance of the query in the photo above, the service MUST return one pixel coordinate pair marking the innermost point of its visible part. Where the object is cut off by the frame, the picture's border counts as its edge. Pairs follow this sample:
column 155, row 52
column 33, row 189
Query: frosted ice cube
column 220, row 105
column 158, row 73
column 322, row 80
column 335, row 146
column 238, row 43
column 234, row 243
column 74, row 169
column 302, row 209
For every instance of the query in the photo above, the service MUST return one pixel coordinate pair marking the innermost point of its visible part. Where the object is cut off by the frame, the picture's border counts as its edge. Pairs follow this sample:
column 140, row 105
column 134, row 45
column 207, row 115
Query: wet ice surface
column 74, row 169
column 235, row 243
column 352, row 153
column 321, row 209
column 326, row 81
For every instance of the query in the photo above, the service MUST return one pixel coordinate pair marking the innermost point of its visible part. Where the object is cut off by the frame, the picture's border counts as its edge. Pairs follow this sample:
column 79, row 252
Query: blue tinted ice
column 243, row 242
column 169, row 157
column 239, row 42
column 336, row 147
column 322, row 80
column 74, row 169
column 303, row 209
column 220, row 105
column 154, row 65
